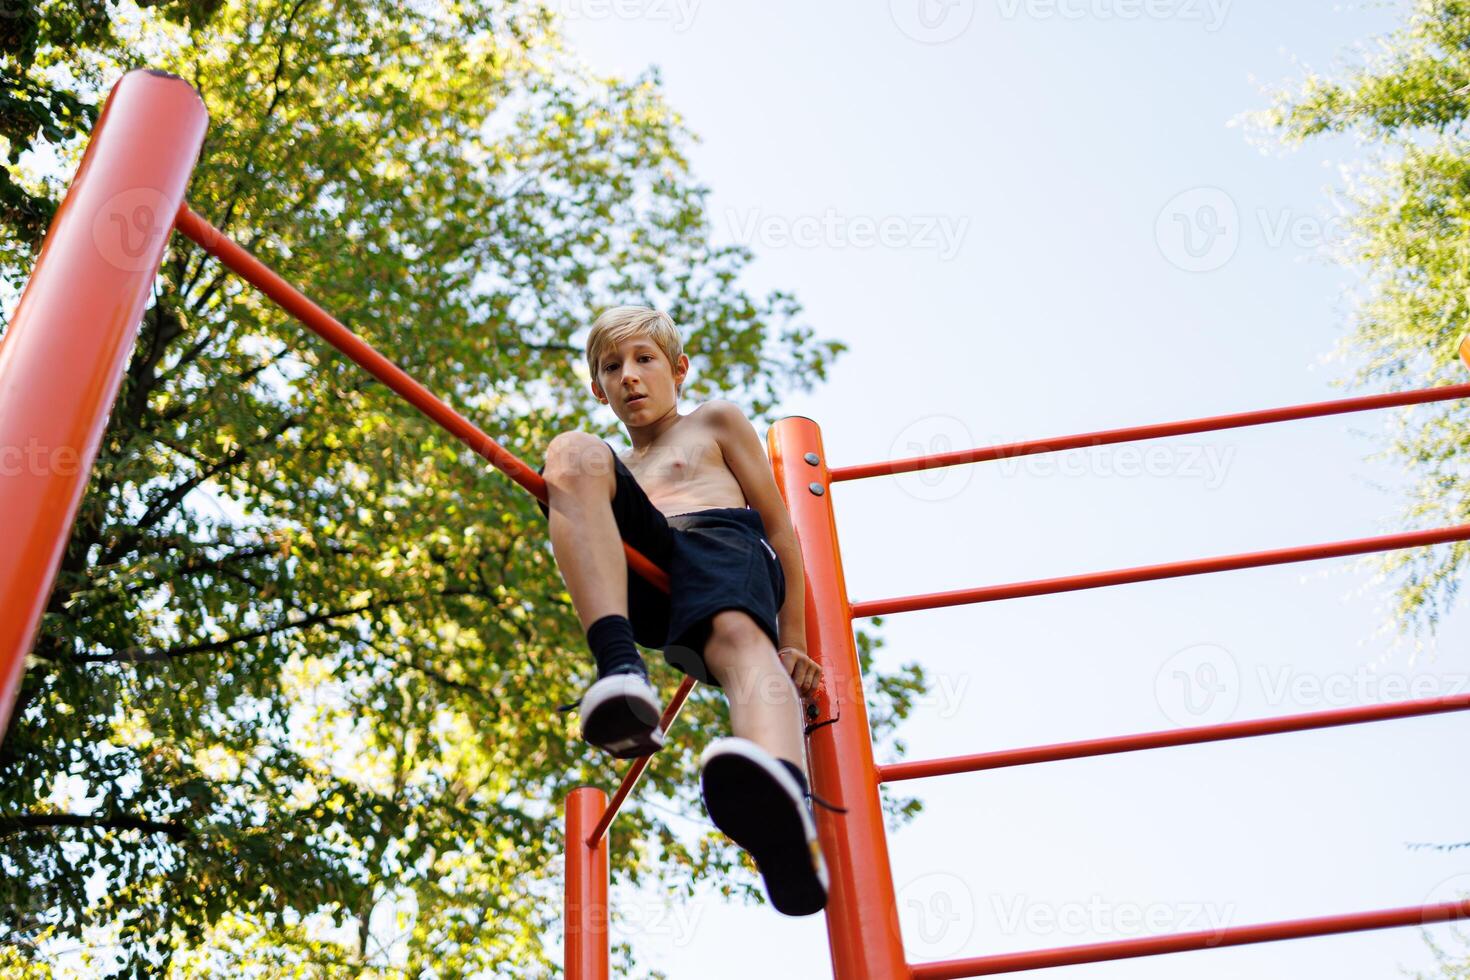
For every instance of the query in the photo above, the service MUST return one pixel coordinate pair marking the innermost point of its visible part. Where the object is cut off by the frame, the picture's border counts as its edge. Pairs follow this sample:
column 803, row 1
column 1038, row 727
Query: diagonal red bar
column 255, row 272
column 920, row 769
column 635, row 771
column 1148, row 573
column 1107, row 437
column 984, row 966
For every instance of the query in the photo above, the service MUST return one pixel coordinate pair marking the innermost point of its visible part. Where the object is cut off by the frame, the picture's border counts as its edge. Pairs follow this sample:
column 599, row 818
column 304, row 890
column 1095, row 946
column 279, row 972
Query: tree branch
column 137, row 654
column 42, row 821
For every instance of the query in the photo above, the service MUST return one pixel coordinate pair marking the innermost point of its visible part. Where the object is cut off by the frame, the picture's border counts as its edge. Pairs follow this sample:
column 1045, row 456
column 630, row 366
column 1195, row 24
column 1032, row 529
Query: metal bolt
column 812, row 458
column 816, row 488
column 811, row 712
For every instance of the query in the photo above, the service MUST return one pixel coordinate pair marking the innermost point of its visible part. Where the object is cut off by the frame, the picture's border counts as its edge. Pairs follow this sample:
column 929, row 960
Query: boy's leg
column 620, row 711
column 748, row 790
column 764, row 704
column 581, row 483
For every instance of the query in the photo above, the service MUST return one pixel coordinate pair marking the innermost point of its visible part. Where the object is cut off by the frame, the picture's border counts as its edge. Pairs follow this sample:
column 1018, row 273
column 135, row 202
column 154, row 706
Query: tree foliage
column 292, row 708
column 1407, row 100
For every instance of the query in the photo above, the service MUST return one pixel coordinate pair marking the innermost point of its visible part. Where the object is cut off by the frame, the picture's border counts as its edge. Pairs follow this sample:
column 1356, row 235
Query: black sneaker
column 620, row 715
column 757, row 803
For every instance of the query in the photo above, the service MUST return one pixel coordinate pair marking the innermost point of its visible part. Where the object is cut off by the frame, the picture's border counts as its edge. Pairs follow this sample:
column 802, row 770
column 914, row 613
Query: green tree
column 299, row 672
column 1408, row 100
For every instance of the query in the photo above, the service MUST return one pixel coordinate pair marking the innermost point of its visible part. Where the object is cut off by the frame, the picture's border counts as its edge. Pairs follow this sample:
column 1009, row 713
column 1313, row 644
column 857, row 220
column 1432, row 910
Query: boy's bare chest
column 686, row 473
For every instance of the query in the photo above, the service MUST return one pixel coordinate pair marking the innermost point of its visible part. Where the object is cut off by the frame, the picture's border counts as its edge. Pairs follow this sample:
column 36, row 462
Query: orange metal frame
column 62, row 362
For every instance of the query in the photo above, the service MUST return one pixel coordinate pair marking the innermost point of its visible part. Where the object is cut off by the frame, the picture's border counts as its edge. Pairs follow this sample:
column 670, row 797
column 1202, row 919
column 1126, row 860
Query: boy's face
column 639, row 367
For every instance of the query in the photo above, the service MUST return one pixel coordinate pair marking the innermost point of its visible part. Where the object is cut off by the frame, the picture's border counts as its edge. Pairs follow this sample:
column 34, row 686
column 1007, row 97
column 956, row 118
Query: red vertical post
column 68, row 343
column 586, row 914
column 862, row 912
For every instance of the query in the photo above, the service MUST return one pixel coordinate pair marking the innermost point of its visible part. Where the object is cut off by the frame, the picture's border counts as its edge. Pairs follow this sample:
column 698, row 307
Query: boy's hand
column 804, row 671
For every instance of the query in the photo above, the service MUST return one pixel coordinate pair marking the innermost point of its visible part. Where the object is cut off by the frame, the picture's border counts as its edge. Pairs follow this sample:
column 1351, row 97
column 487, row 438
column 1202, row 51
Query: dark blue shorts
column 717, row 559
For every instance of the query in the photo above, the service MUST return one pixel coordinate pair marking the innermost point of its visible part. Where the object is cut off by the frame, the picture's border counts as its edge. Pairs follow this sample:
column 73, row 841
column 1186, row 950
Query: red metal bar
column 630, row 778
column 68, row 344
column 862, row 910
column 921, row 769
column 983, row 966
column 1135, row 433
column 586, row 918
column 1148, row 573
column 252, row 270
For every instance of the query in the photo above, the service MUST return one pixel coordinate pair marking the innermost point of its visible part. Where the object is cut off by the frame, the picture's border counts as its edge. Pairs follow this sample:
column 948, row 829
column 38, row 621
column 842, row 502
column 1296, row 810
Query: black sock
column 795, row 770
column 613, row 647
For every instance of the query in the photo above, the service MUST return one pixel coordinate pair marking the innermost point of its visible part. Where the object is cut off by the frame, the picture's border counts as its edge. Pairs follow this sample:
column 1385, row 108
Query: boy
column 735, row 615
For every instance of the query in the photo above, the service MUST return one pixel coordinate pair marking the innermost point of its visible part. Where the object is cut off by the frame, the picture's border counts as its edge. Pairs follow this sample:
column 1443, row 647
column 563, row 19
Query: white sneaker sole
column 620, row 715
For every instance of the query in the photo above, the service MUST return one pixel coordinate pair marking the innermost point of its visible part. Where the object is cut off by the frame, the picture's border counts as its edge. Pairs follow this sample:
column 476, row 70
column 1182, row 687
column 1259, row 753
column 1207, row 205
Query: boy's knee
column 577, row 456
column 737, row 628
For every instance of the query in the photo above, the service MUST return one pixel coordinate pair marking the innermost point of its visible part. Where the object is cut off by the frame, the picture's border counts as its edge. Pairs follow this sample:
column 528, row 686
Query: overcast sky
column 1031, row 218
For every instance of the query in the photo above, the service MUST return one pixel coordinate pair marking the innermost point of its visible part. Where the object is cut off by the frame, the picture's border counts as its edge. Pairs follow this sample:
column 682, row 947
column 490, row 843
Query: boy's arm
column 746, row 458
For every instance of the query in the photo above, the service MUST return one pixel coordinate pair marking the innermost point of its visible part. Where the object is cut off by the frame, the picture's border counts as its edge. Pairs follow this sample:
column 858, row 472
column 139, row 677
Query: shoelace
column 573, row 704
column 823, row 803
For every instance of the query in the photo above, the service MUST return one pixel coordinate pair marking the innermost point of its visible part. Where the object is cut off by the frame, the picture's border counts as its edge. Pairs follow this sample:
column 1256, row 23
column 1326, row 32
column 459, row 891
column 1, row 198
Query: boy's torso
column 685, row 470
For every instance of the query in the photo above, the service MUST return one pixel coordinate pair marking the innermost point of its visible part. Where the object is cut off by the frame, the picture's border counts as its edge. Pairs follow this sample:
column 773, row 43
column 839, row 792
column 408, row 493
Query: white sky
column 1034, row 280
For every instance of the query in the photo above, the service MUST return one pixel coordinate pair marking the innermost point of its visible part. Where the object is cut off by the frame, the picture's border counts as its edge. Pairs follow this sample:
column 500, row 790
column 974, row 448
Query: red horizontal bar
column 983, row 966
column 1106, row 437
column 1148, row 573
column 921, row 769
column 630, row 778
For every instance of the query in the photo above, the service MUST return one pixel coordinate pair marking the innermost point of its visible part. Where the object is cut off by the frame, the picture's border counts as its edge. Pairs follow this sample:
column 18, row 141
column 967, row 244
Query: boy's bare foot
column 759, row 805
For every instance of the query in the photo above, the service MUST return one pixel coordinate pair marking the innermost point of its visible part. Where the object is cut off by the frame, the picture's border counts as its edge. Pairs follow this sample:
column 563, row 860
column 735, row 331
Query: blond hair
column 622, row 323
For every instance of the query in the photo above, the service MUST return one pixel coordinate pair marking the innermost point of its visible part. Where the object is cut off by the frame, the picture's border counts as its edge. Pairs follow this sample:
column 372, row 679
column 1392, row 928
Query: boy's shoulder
column 706, row 425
